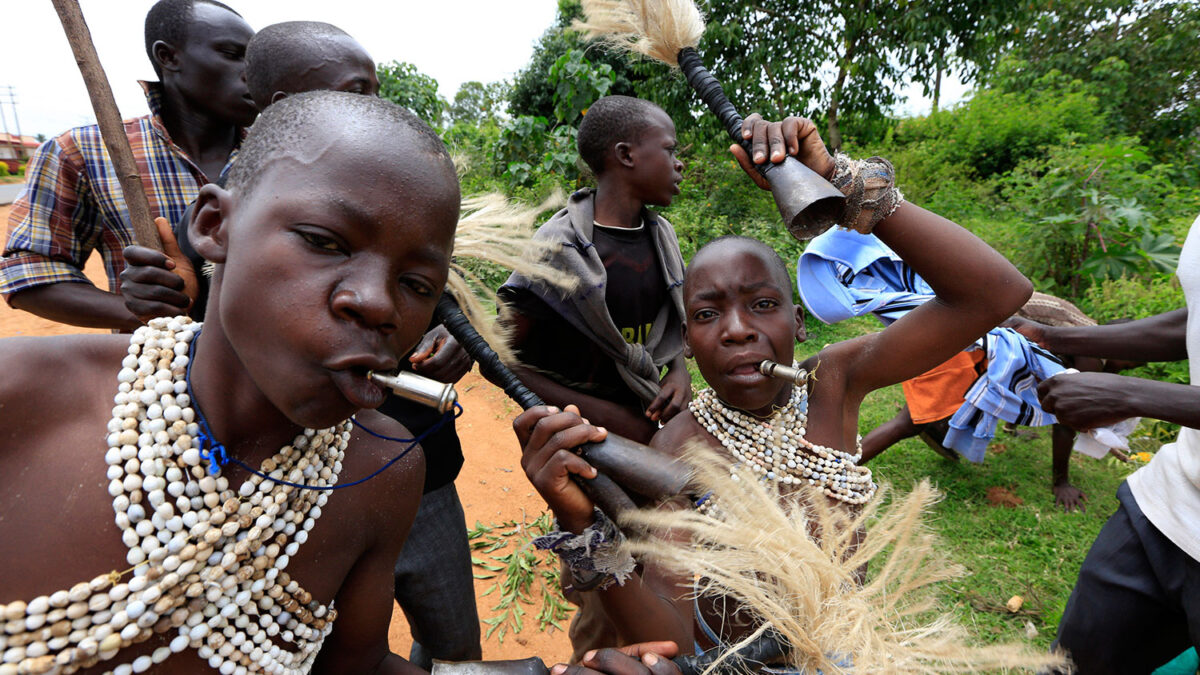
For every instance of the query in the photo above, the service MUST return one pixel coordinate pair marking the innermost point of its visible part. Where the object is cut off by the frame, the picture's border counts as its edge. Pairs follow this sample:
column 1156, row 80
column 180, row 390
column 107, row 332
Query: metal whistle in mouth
column 797, row 376
column 419, row 389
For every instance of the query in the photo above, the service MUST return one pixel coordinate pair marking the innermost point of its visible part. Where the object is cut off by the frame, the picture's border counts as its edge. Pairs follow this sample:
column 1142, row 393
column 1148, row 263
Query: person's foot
column 934, row 434
column 1069, row 497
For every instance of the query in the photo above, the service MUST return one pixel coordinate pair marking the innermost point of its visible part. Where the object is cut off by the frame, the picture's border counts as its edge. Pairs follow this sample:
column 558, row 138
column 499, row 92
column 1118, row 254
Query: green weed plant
column 526, row 578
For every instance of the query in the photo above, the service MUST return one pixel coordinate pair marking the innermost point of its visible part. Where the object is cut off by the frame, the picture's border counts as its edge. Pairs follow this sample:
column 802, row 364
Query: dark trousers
column 435, row 585
column 1136, row 604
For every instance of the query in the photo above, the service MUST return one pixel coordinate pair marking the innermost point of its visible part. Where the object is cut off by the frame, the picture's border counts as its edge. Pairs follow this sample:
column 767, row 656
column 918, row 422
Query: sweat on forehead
column 307, row 122
column 721, row 251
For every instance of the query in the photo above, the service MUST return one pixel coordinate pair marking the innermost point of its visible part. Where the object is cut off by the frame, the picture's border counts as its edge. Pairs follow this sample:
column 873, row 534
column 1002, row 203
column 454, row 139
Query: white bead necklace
column 776, row 449
column 207, row 561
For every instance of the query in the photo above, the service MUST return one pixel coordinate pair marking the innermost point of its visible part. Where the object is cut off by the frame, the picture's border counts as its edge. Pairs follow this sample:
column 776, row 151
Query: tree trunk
column 775, row 92
column 834, row 137
column 937, row 88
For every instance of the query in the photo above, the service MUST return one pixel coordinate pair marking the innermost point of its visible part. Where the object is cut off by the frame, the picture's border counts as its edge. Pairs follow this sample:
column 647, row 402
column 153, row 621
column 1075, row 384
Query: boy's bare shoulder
column 676, row 434
column 65, row 369
column 369, row 453
column 834, row 365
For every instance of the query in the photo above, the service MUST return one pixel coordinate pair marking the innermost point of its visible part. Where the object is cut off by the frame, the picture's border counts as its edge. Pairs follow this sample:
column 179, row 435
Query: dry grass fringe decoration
column 760, row 550
column 654, row 28
column 496, row 231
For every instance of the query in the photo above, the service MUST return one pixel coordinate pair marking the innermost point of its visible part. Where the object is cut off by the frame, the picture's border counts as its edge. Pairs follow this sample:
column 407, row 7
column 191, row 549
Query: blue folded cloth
column 844, row 274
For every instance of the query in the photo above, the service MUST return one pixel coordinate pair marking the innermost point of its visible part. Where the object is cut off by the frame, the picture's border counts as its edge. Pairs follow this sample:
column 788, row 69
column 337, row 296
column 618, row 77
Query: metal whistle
column 797, row 376
column 437, row 395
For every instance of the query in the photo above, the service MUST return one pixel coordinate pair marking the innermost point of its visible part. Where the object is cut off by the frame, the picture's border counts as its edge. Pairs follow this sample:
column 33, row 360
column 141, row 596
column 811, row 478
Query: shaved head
column 302, row 126
column 289, row 57
column 718, row 251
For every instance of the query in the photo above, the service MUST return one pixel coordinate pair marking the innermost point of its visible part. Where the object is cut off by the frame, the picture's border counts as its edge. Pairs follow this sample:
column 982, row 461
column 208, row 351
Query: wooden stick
column 108, row 118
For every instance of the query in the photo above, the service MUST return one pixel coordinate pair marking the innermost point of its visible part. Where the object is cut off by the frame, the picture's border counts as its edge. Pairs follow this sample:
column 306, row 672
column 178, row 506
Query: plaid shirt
column 72, row 203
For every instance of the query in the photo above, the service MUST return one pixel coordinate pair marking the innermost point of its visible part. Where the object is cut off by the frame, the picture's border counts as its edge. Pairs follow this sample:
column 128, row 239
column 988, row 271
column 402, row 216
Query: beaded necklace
column 775, row 448
column 207, row 560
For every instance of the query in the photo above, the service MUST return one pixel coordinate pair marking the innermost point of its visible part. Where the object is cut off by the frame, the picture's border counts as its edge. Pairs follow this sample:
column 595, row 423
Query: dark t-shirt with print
column 634, row 293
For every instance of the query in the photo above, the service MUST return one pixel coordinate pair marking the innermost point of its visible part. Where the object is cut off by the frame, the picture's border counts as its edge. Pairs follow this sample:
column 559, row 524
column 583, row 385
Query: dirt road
column 491, row 485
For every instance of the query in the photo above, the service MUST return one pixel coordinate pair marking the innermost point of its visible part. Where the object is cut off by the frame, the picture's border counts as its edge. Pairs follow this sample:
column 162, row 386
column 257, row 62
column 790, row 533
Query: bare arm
column 77, row 304
column 652, row 604
column 358, row 643
column 364, row 601
column 1162, row 337
column 1090, row 400
column 624, row 421
column 976, row 288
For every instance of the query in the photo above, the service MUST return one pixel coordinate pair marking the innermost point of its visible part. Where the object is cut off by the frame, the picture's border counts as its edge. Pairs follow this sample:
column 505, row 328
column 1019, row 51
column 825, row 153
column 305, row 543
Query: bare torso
column 56, row 516
column 830, row 422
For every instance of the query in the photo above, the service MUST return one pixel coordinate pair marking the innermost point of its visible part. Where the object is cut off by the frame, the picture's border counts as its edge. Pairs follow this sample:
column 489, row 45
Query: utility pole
column 21, row 139
column 8, row 139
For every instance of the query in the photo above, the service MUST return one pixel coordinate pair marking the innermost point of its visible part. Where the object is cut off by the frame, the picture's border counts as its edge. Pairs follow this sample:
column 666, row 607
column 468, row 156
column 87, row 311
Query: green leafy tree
column 830, row 59
column 533, row 93
column 476, row 102
column 1096, row 211
column 1141, row 58
column 834, row 58
column 521, row 140
column 577, row 84
column 530, row 146
column 960, row 37
column 403, row 84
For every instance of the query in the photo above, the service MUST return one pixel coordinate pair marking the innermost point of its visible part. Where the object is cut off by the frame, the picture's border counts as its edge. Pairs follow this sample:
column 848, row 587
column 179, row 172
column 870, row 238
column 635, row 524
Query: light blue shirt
column 844, row 274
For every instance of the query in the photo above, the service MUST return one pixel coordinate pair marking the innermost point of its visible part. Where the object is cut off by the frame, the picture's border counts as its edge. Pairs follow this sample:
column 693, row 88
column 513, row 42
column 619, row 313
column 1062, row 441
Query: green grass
column 1033, row 550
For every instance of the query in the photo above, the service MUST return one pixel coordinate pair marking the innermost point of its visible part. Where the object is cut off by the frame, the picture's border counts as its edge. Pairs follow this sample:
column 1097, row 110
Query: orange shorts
column 938, row 393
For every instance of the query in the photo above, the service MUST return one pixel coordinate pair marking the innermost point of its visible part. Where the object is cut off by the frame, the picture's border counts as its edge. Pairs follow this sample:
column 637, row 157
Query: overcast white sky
column 454, row 41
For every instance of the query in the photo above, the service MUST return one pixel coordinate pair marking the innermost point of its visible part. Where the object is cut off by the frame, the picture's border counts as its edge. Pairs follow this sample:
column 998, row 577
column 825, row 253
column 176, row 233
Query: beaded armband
column 596, row 556
column 870, row 189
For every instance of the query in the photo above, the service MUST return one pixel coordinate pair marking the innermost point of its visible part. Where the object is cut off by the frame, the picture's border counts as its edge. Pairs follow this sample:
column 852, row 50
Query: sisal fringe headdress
column 654, row 28
column 496, row 231
column 791, row 563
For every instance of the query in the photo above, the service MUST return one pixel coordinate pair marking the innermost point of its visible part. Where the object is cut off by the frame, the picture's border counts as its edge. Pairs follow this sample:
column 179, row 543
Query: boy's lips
column 746, row 369
column 350, row 377
column 358, row 389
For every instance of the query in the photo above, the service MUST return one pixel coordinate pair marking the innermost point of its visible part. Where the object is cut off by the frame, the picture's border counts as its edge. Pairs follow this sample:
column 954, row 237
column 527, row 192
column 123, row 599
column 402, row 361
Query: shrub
column 994, row 131
column 1126, row 298
column 1093, row 211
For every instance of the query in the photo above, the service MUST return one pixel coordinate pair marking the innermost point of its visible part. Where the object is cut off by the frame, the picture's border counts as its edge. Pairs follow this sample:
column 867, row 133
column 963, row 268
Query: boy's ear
column 208, row 230
column 166, row 56
column 624, row 154
column 687, row 348
column 278, row 96
column 801, row 327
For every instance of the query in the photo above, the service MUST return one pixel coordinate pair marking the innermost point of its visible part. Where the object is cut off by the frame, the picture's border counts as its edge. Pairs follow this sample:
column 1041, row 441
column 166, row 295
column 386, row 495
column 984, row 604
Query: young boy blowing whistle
column 323, row 272
column 433, row 573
